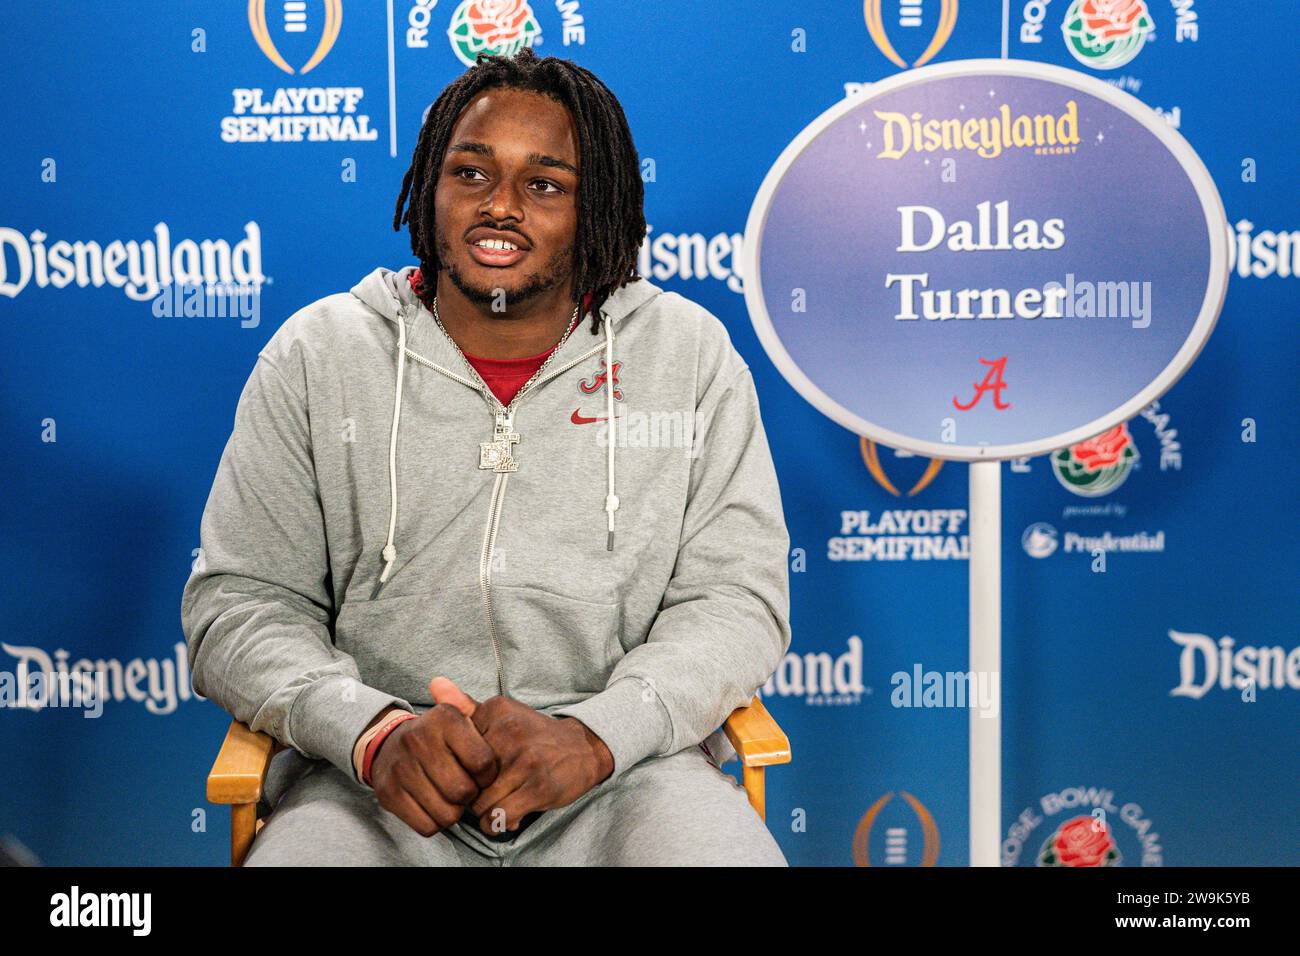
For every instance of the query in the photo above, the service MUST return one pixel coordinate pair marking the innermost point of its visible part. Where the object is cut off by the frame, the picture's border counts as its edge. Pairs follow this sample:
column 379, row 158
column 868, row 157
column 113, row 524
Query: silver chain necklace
column 498, row 453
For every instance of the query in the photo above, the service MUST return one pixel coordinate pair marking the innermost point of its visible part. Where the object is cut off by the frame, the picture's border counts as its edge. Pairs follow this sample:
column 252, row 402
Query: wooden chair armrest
column 758, row 740
column 240, row 768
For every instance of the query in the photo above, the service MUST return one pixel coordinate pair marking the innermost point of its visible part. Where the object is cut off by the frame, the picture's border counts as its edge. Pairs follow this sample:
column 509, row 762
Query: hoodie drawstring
column 611, row 499
column 390, row 549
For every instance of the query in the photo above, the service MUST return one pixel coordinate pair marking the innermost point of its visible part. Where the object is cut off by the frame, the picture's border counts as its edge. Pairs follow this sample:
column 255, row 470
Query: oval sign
column 985, row 259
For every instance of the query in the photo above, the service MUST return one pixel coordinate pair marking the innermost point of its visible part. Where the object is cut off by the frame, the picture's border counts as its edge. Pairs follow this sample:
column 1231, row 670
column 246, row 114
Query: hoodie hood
column 390, row 294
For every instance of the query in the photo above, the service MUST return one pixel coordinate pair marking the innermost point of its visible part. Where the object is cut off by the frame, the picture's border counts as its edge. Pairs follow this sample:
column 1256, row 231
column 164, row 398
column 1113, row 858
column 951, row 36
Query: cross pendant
column 498, row 454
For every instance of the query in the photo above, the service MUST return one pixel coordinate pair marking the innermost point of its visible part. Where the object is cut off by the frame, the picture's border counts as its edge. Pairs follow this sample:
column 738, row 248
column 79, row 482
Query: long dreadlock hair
column 611, row 213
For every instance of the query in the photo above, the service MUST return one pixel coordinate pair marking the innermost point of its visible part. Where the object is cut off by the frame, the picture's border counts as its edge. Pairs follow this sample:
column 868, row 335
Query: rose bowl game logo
column 498, row 27
column 1082, row 842
column 1106, row 34
column 1087, row 826
column 1099, row 465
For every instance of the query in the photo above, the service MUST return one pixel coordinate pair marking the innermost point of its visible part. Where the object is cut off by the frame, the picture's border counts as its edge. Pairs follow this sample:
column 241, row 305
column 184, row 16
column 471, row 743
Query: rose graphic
column 1098, row 465
column 495, row 22
column 1105, row 449
column 1105, row 34
column 1109, row 19
column 500, row 27
column 1083, row 841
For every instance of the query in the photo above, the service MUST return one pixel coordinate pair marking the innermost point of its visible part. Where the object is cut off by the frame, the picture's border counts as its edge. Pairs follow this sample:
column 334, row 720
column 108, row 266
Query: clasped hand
column 501, row 759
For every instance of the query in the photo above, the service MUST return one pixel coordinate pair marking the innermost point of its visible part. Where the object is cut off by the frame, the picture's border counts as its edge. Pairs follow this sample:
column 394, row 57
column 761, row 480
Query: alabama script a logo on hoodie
column 601, row 379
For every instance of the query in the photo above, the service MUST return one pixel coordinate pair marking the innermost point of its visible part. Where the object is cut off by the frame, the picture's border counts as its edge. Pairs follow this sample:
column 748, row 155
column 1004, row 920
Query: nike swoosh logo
column 584, row 420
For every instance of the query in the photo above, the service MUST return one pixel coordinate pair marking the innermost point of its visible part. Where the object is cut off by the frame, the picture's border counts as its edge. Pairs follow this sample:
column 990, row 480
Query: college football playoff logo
column 910, row 15
column 295, row 21
column 871, row 458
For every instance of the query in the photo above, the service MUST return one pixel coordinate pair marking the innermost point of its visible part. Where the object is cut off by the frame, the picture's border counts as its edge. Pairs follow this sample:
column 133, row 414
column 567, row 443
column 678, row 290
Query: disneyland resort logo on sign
column 298, row 113
column 140, row 268
column 1083, row 827
column 986, row 136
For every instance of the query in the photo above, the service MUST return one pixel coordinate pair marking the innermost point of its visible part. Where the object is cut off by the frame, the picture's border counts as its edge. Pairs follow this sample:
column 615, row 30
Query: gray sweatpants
column 679, row 810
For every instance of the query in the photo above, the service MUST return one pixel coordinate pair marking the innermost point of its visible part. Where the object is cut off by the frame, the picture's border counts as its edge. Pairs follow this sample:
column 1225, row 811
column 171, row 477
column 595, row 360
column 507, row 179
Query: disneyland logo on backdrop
column 693, row 255
column 1258, row 255
column 141, row 269
column 39, row 681
column 820, row 679
column 295, row 114
column 1205, row 664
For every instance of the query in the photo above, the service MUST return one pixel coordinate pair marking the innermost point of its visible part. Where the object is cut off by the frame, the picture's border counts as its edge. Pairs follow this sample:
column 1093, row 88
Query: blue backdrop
column 120, row 117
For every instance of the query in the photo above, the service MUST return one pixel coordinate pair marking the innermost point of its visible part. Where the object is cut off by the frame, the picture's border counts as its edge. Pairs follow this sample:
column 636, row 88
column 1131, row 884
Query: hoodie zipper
column 498, row 490
column 485, row 572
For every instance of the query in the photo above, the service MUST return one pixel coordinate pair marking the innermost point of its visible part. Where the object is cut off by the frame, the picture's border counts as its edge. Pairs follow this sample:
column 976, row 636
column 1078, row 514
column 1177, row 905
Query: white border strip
column 392, row 88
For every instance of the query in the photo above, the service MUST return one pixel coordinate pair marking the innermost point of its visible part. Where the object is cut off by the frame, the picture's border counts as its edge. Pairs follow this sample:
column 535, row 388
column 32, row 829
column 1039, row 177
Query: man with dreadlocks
column 529, row 662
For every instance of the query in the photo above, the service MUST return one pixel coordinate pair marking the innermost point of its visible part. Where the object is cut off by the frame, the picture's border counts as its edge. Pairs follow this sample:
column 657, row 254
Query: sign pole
column 986, row 659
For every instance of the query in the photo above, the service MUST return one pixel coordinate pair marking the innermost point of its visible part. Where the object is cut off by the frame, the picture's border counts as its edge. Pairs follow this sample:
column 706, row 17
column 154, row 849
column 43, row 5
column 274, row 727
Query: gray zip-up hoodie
column 378, row 519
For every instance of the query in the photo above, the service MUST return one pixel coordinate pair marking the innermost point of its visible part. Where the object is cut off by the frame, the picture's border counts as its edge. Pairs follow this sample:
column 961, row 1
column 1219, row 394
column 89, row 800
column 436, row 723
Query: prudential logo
column 1039, row 540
